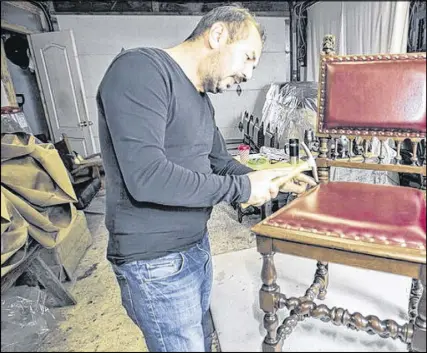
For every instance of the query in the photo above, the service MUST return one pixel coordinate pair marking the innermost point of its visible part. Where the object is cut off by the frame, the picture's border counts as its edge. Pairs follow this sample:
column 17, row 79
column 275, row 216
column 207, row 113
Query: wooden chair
column 376, row 227
column 81, row 168
column 84, row 172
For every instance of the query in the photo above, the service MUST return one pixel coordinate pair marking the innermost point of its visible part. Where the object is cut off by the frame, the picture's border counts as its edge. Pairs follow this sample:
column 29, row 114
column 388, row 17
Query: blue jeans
column 168, row 298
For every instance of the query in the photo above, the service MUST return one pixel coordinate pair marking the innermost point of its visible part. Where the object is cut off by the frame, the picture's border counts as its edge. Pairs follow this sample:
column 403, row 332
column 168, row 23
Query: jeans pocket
column 207, row 253
column 164, row 267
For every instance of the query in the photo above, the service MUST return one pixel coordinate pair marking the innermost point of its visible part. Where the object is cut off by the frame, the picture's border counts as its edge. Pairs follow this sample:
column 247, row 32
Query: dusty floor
column 98, row 323
column 235, row 300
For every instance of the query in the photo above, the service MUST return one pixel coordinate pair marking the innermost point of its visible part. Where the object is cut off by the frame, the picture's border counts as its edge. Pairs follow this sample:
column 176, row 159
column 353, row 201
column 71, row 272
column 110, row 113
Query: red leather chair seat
column 391, row 215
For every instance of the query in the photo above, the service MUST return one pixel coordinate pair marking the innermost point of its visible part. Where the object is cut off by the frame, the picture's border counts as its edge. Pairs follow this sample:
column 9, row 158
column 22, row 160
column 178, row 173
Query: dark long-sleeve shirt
column 165, row 160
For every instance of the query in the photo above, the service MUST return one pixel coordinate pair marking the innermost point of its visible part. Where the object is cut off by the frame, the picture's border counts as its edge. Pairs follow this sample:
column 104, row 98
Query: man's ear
column 218, row 35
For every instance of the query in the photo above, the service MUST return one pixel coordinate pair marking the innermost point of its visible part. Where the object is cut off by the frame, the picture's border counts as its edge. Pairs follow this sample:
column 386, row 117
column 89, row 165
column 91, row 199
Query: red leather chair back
column 379, row 95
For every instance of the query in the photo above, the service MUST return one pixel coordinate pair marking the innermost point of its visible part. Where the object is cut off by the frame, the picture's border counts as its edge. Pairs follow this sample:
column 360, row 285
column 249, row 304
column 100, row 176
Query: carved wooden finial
column 328, row 46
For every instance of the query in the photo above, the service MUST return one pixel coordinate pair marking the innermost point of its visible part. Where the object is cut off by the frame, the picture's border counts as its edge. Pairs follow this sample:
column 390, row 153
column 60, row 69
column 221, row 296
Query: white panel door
column 60, row 81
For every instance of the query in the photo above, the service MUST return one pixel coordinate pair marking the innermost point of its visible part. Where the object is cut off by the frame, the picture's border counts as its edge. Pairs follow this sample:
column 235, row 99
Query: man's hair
column 234, row 16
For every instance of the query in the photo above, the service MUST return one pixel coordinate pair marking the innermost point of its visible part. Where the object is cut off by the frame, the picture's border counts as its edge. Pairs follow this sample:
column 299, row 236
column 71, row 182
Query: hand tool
column 292, row 171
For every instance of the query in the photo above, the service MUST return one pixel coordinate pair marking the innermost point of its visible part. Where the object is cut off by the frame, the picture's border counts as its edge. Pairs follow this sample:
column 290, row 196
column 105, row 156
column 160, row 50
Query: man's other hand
column 296, row 185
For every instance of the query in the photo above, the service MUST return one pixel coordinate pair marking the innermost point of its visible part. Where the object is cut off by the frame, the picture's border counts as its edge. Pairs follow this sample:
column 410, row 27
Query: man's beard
column 211, row 85
column 211, row 81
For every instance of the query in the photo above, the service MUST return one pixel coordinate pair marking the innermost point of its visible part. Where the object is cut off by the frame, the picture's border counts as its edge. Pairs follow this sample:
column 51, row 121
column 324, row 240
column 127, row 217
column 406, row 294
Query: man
column 166, row 166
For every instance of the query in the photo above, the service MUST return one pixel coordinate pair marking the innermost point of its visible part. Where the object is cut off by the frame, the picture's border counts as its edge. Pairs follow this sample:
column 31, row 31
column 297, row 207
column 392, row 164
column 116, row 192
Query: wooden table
column 38, row 268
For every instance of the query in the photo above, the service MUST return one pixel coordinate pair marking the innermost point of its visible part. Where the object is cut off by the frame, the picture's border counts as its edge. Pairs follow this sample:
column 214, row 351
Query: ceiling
column 162, row 7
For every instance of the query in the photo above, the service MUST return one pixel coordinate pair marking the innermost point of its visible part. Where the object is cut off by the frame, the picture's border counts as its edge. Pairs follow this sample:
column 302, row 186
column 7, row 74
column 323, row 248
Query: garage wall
column 24, row 81
column 99, row 38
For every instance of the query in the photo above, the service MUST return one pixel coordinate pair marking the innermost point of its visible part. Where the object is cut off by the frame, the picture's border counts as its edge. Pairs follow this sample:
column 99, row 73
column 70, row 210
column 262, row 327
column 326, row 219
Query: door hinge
column 85, row 123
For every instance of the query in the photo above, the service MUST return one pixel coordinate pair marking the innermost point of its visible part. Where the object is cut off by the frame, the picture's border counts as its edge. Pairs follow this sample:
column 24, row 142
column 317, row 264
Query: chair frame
column 405, row 262
column 92, row 163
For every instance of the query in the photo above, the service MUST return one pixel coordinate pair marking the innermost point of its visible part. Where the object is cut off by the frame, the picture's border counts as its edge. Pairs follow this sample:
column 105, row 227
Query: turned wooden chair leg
column 268, row 300
column 323, row 273
column 319, row 287
column 418, row 343
column 416, row 292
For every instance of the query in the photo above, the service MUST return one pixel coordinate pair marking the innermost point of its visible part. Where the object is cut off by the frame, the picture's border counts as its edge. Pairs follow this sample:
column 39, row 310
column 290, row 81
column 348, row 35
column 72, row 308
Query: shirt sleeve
column 222, row 163
column 135, row 96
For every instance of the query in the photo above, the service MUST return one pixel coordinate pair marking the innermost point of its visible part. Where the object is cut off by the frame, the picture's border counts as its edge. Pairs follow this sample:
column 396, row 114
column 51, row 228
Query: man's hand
column 266, row 184
column 297, row 185
column 263, row 188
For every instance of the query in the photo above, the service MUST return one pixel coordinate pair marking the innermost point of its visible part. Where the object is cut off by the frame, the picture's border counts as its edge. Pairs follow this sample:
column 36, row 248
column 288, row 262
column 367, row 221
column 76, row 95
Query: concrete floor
column 238, row 318
column 98, row 323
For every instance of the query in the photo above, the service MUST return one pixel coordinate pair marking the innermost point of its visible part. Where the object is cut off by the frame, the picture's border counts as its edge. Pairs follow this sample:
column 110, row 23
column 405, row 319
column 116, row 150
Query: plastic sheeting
column 25, row 319
column 291, row 108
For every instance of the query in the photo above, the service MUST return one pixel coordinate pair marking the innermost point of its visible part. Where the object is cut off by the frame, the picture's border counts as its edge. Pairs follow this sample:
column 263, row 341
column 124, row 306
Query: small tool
column 311, row 161
column 307, row 165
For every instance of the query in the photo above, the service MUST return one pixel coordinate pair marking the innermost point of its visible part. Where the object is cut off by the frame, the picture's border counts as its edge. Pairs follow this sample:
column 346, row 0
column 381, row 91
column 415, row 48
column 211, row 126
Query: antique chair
column 376, row 227
column 81, row 168
column 84, row 172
